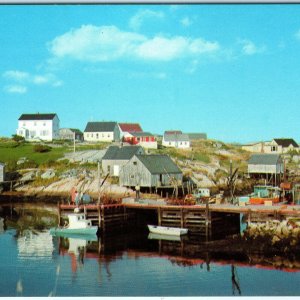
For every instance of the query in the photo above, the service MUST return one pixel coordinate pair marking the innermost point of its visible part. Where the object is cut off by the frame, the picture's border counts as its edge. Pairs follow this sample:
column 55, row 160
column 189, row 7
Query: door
column 116, row 170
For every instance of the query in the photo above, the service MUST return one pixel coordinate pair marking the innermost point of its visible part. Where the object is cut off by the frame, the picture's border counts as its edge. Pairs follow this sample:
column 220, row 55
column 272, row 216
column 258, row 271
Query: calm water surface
column 34, row 263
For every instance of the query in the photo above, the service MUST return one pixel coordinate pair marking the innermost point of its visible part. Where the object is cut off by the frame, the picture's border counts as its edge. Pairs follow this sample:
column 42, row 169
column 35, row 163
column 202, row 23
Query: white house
column 128, row 128
column 38, row 127
column 276, row 146
column 101, row 132
column 176, row 140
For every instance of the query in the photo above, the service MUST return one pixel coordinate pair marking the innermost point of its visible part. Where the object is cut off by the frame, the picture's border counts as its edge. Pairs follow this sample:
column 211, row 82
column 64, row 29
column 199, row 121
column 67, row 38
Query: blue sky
column 231, row 71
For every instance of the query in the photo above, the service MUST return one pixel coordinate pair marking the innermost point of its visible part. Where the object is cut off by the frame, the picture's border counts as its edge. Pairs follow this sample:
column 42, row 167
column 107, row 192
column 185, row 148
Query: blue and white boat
column 78, row 225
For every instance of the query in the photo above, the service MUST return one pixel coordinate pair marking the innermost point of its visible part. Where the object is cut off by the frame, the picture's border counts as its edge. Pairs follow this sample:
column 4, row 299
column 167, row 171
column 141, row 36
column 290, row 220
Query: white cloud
column 137, row 20
column 39, row 79
column 15, row 89
column 21, row 80
column 249, row 48
column 186, row 22
column 166, row 49
column 107, row 43
column 16, row 75
column 91, row 43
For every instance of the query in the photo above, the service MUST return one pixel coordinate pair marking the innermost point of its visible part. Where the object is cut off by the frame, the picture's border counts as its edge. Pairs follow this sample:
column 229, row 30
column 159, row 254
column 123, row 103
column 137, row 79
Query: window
column 135, row 163
column 97, row 135
column 24, row 123
column 273, row 148
column 44, row 124
column 34, row 123
column 131, row 176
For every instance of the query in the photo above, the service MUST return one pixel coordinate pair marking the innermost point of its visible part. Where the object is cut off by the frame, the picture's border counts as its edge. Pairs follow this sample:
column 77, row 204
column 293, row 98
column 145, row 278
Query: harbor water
column 34, row 263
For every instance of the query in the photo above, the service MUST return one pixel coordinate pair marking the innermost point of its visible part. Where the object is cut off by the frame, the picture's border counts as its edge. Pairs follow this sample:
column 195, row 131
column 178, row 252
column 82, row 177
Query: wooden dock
column 207, row 220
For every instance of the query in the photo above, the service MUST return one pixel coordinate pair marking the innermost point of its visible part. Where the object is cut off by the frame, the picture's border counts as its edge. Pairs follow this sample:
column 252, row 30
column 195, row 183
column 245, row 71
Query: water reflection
column 35, row 245
column 183, row 252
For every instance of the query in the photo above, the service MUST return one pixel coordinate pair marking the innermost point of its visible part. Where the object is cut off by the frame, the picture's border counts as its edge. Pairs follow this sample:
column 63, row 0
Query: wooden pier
column 206, row 220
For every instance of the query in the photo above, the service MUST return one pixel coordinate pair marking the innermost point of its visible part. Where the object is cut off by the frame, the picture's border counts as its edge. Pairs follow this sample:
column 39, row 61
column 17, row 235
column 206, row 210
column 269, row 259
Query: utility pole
column 74, row 139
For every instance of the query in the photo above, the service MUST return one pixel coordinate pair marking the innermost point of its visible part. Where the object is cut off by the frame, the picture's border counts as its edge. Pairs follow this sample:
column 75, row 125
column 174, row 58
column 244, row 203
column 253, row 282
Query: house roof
column 159, row 164
column 173, row 132
column 139, row 134
column 130, row 127
column 100, row 126
column 264, row 159
column 286, row 142
column 176, row 137
column 197, row 136
column 29, row 117
column 122, row 153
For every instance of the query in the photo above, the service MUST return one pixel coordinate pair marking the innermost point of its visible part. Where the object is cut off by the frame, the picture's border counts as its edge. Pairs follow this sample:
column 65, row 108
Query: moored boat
column 78, row 224
column 167, row 230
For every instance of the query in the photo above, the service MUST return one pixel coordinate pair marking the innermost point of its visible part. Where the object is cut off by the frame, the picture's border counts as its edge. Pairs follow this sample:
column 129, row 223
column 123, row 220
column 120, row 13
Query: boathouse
column 268, row 166
column 116, row 157
column 153, row 170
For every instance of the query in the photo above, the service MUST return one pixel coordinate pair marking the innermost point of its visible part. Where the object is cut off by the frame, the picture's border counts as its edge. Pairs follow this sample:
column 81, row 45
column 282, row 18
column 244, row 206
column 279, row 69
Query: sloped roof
column 36, row 117
column 159, row 164
column 286, row 142
column 122, row 153
column 173, row 132
column 264, row 159
column 139, row 134
column 100, row 126
column 130, row 127
column 197, row 136
column 176, row 137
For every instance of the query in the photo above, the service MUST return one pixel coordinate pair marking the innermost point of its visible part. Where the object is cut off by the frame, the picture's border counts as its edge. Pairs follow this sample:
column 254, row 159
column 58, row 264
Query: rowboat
column 167, row 230
column 165, row 237
column 78, row 225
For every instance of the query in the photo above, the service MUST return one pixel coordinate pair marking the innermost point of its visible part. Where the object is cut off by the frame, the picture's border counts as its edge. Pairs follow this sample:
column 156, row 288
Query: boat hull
column 167, row 230
column 75, row 231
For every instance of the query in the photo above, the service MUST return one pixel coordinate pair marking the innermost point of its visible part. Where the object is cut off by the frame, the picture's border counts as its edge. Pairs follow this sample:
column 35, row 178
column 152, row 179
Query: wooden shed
column 153, row 170
column 266, row 165
column 116, row 157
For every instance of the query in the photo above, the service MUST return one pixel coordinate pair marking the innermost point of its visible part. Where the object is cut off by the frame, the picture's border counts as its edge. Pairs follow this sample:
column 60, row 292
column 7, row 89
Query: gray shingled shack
column 150, row 171
column 116, row 157
column 265, row 164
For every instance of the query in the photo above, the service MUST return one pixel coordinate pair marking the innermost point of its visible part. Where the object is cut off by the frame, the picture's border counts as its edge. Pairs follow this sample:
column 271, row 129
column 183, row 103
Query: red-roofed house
column 126, row 130
column 130, row 127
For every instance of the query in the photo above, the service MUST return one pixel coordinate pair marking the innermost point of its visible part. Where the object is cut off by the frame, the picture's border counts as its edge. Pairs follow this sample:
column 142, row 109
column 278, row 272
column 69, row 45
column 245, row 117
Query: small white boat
column 167, row 230
column 78, row 224
column 165, row 237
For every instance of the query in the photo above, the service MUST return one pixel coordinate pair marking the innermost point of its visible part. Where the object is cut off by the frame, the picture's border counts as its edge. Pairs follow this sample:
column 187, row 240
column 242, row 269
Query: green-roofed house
column 266, row 165
column 102, row 132
column 153, row 170
column 116, row 157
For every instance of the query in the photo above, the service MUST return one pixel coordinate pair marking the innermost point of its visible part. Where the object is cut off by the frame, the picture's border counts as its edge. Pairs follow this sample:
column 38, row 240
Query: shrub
column 18, row 138
column 41, row 148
